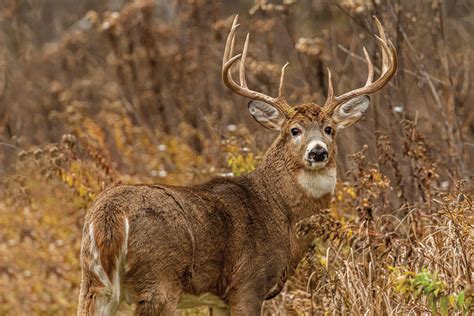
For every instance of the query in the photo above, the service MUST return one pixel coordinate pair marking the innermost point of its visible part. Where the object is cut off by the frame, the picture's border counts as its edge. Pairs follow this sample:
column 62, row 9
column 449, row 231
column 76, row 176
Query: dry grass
column 96, row 93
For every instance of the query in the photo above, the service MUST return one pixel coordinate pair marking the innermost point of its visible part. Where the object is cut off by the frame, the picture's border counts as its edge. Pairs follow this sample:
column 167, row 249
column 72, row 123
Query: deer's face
column 309, row 137
column 309, row 134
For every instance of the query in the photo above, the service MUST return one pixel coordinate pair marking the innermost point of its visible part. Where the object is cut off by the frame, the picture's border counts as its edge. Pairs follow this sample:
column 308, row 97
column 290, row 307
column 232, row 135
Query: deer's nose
column 318, row 154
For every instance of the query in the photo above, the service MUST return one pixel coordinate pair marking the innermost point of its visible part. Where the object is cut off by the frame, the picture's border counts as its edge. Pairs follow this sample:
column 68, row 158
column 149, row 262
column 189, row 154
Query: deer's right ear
column 348, row 113
column 266, row 115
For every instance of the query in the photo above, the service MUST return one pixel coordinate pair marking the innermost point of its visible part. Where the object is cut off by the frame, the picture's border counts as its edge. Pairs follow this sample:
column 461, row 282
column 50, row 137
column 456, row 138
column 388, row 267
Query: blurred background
column 95, row 93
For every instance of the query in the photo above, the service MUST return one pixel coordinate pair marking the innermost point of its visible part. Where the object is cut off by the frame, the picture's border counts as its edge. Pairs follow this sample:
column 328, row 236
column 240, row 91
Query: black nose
column 318, row 154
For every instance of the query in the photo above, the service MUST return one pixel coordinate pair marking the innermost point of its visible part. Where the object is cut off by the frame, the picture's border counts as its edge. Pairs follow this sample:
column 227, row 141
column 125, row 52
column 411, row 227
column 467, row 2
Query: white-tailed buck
column 231, row 238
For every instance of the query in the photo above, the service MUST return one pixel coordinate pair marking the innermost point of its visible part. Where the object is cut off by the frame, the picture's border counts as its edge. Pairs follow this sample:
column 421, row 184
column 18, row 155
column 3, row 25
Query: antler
column 279, row 102
column 389, row 67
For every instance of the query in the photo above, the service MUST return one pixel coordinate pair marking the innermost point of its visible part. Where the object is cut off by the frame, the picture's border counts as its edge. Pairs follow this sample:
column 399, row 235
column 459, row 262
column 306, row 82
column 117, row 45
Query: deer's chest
column 318, row 184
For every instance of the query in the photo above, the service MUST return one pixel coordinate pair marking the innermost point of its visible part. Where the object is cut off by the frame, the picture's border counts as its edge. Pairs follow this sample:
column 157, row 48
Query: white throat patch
column 318, row 183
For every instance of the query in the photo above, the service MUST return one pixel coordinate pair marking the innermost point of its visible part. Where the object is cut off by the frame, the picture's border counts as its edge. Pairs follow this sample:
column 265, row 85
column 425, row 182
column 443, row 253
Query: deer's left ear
column 350, row 112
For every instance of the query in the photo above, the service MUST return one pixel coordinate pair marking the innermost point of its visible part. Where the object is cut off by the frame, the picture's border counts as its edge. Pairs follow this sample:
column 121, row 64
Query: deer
column 232, row 239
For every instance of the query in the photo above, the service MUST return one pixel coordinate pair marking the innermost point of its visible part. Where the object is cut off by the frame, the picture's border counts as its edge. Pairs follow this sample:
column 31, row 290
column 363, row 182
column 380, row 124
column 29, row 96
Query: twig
column 10, row 145
column 423, row 77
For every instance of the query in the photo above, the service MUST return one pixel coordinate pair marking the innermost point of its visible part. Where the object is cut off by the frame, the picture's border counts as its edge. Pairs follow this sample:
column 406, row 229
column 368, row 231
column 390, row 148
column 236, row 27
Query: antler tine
column 386, row 51
column 232, row 42
column 330, row 94
column 279, row 102
column 389, row 67
column 228, row 44
column 384, row 39
column 243, row 82
column 281, row 87
column 330, row 86
column 370, row 68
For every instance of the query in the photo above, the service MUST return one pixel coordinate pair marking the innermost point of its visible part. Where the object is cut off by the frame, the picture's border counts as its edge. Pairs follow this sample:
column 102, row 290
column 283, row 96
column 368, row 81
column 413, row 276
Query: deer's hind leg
column 94, row 299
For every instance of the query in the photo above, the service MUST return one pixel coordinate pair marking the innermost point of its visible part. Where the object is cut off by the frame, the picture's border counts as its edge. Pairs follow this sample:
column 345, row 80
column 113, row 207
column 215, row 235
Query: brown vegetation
column 98, row 93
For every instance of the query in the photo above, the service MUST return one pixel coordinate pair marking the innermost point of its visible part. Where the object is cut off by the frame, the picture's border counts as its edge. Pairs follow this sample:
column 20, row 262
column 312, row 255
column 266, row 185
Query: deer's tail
column 103, row 253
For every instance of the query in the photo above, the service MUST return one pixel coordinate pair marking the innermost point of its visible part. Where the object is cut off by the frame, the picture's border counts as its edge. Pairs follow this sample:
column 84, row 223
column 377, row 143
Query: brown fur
column 233, row 237
column 109, row 235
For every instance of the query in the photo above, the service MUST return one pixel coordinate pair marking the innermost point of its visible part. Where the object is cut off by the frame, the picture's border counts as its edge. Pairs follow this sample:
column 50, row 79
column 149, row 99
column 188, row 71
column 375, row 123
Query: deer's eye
column 328, row 130
column 295, row 131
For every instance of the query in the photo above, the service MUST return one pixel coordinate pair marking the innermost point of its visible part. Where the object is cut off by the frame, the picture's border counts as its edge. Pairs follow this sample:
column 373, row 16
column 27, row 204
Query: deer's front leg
column 246, row 304
column 247, row 309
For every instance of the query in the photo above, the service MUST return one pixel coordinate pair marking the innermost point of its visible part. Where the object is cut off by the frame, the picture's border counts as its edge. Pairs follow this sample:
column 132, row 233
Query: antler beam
column 389, row 67
column 279, row 102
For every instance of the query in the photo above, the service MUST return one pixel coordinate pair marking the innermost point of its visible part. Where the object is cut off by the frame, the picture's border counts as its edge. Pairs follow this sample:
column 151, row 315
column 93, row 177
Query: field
column 96, row 93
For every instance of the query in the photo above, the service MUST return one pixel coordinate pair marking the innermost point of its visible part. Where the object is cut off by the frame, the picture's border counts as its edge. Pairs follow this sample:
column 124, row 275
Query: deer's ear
column 350, row 112
column 266, row 115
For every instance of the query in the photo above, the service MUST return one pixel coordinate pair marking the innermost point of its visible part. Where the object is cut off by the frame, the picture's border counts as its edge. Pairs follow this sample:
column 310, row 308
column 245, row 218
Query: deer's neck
column 294, row 192
column 293, row 195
